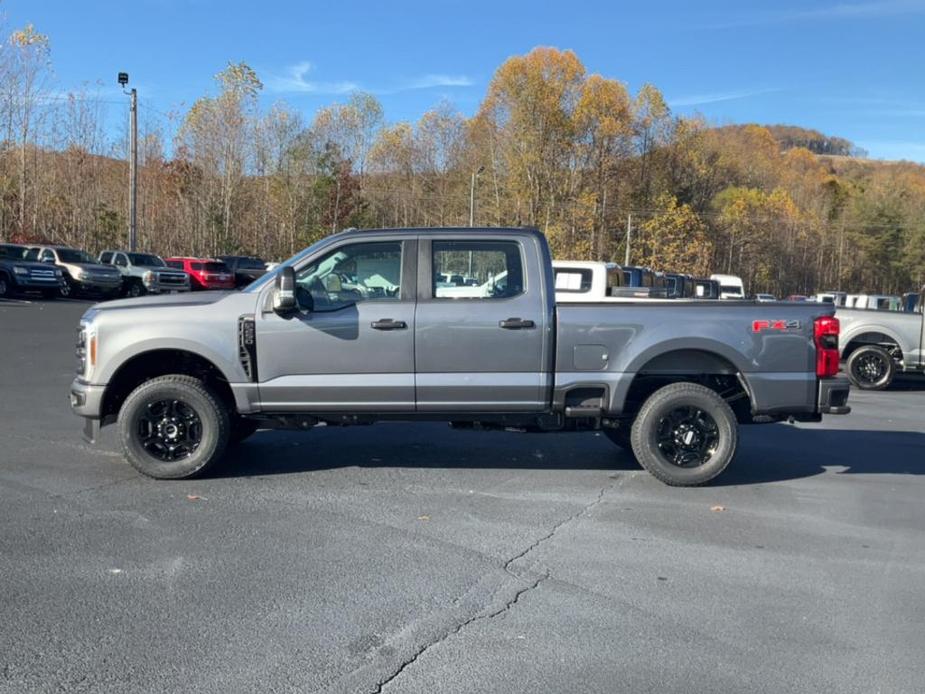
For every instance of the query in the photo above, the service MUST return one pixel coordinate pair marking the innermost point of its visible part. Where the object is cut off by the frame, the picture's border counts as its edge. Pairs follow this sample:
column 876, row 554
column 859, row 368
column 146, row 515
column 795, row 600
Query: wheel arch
column 152, row 363
column 880, row 337
column 690, row 365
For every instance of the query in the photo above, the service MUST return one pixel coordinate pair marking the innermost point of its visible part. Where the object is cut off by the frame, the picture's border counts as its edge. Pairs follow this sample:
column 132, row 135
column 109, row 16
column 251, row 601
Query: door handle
column 388, row 324
column 516, row 324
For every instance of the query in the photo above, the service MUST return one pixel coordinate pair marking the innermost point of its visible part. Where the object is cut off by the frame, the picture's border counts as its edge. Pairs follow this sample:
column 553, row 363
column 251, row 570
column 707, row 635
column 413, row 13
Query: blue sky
column 853, row 69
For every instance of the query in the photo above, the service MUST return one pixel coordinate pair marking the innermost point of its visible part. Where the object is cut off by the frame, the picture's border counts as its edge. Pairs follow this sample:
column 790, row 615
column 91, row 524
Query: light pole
column 133, row 163
column 475, row 175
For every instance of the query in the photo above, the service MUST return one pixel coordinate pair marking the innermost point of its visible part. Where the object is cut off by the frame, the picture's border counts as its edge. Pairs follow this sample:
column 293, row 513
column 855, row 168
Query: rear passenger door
column 482, row 345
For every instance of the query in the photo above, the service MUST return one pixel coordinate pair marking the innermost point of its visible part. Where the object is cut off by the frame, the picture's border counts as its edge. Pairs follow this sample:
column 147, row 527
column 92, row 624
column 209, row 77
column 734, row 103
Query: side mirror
column 284, row 299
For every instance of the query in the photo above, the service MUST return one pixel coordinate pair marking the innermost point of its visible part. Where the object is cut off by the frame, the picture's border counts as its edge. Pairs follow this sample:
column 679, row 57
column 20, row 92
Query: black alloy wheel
column 169, row 430
column 871, row 367
column 687, row 436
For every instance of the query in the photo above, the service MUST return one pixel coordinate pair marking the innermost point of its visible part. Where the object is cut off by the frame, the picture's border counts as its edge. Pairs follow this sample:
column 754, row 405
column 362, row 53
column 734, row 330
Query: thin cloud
column 296, row 81
column 431, row 81
column 859, row 10
column 715, row 97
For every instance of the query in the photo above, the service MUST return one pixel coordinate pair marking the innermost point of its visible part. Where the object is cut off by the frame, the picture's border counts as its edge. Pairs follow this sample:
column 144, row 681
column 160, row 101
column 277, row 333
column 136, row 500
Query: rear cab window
column 573, row 280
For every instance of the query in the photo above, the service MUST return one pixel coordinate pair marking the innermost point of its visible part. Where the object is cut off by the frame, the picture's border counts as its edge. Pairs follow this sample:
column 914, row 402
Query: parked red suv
column 205, row 273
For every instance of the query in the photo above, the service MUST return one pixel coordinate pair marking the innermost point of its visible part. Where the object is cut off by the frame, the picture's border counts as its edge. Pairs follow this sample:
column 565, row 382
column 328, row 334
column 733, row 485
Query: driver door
column 350, row 347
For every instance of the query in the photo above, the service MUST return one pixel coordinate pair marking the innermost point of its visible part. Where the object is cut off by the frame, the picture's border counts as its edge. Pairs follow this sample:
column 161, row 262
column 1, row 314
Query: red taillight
column 825, row 335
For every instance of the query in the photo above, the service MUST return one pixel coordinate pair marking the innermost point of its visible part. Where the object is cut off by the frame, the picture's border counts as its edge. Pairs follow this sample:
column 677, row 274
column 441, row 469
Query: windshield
column 731, row 289
column 69, row 255
column 11, row 252
column 209, row 267
column 251, row 264
column 31, row 254
column 145, row 259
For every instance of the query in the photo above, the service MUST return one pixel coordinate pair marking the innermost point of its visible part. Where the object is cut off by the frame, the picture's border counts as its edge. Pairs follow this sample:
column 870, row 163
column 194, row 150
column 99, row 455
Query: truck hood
column 32, row 265
column 167, row 300
column 95, row 268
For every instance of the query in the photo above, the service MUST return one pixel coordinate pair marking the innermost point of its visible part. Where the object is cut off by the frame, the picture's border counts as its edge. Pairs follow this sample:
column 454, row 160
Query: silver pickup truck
column 880, row 344
column 358, row 328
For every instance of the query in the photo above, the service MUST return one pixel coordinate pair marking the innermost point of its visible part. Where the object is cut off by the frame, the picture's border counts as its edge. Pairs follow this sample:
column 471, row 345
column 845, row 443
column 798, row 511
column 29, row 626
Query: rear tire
column 173, row 427
column 870, row 368
column 685, row 435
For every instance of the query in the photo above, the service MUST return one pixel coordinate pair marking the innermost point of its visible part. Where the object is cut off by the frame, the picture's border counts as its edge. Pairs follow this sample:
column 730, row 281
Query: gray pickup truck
column 358, row 328
column 880, row 344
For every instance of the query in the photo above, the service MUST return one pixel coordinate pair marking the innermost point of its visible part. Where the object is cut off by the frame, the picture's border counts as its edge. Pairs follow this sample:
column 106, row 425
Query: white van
column 730, row 286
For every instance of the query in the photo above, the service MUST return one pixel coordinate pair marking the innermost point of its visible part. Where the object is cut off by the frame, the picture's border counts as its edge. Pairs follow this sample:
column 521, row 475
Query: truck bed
column 610, row 343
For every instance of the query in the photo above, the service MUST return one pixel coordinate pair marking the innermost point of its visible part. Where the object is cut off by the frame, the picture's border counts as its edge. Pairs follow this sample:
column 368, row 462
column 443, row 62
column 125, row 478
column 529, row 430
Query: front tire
column 870, row 368
column 68, row 288
column 6, row 287
column 135, row 289
column 173, row 427
column 685, row 435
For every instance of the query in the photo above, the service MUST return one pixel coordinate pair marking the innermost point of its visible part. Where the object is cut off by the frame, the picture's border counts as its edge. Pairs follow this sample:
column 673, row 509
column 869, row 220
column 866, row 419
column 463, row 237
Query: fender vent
column 247, row 346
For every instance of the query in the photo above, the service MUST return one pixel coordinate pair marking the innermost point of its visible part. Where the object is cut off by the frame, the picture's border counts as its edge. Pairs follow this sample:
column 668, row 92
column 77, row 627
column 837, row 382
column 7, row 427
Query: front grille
column 43, row 274
column 247, row 346
column 173, row 280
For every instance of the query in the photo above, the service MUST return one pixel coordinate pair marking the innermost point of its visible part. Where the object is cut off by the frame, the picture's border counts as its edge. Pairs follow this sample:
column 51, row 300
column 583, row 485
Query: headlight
column 58, row 273
column 148, row 277
column 19, row 270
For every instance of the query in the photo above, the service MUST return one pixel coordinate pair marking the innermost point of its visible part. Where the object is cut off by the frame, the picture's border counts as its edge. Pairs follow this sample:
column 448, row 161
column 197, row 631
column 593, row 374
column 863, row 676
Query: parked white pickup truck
column 578, row 281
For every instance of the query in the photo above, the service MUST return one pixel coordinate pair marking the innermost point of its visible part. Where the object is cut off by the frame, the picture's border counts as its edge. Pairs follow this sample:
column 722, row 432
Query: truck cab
column 730, row 286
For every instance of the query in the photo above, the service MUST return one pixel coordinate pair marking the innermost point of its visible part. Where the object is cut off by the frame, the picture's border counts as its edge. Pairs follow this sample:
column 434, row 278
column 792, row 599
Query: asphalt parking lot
column 415, row 558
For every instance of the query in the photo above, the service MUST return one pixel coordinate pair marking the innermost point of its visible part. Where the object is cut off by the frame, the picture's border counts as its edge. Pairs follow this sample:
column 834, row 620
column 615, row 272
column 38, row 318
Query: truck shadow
column 768, row 453
column 907, row 383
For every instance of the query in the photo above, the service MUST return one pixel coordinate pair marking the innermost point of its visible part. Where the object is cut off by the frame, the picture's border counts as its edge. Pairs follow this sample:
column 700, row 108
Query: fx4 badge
column 760, row 326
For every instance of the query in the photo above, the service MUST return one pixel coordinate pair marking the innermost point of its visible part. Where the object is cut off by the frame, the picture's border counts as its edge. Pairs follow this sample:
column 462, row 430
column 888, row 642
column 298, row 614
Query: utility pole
column 629, row 237
column 475, row 175
column 133, row 164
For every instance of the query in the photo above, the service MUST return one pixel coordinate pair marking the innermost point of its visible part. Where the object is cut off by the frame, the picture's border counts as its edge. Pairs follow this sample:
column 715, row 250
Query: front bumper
column 94, row 285
column 87, row 402
column 28, row 283
column 833, row 395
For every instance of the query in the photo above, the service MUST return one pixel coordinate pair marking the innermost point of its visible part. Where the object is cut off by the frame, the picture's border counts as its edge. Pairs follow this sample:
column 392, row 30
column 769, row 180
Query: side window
column 351, row 274
column 121, row 260
column 477, row 270
column 47, row 256
column 106, row 257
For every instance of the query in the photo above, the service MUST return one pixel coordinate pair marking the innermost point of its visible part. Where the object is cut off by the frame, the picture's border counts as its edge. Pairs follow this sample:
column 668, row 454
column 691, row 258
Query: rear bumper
column 833, row 395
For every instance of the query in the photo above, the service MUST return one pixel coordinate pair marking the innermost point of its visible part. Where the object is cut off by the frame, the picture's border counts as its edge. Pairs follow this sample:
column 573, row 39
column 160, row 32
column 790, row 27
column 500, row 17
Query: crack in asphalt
column 508, row 604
